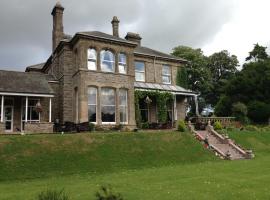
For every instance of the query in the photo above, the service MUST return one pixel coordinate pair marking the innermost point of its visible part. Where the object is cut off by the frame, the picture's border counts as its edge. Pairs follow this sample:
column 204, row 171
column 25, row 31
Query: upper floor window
column 122, row 63
column 107, row 61
column 166, row 74
column 92, row 59
column 139, row 71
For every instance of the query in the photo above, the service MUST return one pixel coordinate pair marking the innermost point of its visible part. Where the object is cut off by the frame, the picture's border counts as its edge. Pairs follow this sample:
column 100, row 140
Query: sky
column 212, row 25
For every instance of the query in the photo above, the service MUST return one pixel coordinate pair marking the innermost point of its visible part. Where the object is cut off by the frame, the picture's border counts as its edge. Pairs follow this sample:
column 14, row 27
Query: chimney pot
column 134, row 37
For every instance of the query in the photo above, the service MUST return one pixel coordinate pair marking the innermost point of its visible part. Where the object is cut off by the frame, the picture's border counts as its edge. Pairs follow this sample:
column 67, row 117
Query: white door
column 8, row 118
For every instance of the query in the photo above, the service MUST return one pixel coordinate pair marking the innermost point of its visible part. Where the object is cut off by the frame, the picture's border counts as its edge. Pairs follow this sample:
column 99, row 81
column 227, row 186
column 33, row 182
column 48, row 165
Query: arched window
column 122, row 63
column 92, row 59
column 107, row 61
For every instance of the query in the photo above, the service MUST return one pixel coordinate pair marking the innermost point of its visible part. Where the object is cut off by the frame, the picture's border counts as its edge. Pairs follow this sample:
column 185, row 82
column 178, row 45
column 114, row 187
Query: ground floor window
column 169, row 107
column 123, row 105
column 107, row 99
column 144, row 109
column 92, row 104
column 32, row 114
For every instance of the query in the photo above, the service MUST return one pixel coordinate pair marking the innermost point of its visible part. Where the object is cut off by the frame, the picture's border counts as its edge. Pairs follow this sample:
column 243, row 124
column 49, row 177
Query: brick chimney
column 58, row 29
column 134, row 37
column 115, row 26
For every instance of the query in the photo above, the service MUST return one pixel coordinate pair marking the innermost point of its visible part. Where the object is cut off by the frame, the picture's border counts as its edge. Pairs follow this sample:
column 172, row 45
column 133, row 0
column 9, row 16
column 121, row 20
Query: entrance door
column 8, row 117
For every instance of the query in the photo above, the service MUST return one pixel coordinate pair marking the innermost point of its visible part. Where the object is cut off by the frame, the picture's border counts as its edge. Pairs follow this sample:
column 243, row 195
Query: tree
column 257, row 54
column 198, row 75
column 182, row 78
column 223, row 67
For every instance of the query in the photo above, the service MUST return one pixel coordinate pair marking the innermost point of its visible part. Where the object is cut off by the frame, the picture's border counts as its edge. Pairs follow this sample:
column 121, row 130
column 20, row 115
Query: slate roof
column 24, row 82
column 102, row 35
column 162, row 87
column 36, row 67
column 152, row 52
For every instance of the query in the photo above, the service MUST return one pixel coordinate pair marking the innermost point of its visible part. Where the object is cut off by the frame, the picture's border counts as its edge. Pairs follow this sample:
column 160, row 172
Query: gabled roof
column 140, row 50
column 24, row 82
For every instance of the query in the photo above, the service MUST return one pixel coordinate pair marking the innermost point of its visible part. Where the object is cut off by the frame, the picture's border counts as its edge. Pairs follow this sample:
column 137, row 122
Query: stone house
column 89, row 77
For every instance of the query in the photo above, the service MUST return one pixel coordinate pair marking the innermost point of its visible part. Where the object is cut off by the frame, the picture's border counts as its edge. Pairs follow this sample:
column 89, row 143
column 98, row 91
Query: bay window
column 122, row 63
column 92, row 104
column 123, row 106
column 92, row 59
column 107, row 105
column 107, row 61
column 139, row 71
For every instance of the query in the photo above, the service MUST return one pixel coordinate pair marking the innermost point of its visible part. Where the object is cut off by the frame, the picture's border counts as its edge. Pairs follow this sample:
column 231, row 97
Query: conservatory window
column 107, row 61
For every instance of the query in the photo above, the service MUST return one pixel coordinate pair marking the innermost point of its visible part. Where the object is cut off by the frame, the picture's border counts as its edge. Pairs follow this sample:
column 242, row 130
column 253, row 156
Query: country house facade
column 90, row 77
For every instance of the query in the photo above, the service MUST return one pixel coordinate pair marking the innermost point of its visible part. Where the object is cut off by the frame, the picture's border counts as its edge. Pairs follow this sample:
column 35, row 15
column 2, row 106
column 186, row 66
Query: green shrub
column 145, row 125
column 181, row 126
column 265, row 129
column 239, row 111
column 251, row 128
column 217, row 125
column 258, row 112
column 92, row 127
column 52, row 195
column 106, row 193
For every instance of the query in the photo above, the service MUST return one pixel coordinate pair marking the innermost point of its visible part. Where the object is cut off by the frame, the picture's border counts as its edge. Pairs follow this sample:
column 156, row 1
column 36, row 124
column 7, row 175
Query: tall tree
column 223, row 67
column 197, row 72
column 182, row 78
column 257, row 54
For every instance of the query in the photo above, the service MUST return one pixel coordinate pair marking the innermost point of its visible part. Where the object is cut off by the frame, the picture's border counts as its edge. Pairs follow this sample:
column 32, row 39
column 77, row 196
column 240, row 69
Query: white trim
column 108, row 123
column 26, row 109
column 50, row 110
column 12, row 118
column 2, row 108
column 175, row 108
column 26, row 94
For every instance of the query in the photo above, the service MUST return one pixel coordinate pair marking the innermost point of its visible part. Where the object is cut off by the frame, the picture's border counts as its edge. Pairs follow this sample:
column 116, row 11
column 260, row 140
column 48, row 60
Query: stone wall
column 2, row 128
column 43, row 127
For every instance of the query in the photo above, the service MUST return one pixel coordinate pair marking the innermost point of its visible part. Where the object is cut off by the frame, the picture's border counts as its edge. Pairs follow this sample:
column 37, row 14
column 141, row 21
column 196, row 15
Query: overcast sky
column 213, row 25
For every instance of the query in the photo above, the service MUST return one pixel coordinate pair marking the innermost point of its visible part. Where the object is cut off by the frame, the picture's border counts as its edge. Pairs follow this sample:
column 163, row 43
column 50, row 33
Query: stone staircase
column 223, row 147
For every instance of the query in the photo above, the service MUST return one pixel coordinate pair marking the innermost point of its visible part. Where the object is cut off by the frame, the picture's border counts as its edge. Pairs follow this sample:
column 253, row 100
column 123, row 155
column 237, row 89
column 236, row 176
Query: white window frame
column 91, row 59
column 167, row 75
column 101, row 106
column 109, row 61
column 140, row 72
column 125, row 106
column 29, row 113
column 93, row 104
column 122, row 64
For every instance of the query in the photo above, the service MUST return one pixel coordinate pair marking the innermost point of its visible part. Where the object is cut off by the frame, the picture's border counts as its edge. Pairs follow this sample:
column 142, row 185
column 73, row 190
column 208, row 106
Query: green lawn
column 139, row 166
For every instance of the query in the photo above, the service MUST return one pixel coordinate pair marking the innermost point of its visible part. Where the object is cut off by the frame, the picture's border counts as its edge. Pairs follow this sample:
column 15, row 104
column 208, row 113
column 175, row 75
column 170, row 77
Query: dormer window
column 122, row 63
column 92, row 59
column 166, row 74
column 107, row 61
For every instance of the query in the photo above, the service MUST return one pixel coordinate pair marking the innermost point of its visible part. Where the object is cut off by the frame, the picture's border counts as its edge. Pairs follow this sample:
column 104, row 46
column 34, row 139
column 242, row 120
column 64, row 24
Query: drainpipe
column 155, row 69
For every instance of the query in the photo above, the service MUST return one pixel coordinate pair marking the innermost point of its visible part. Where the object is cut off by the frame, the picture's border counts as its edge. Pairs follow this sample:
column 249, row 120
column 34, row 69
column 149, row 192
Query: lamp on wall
column 148, row 100
column 38, row 107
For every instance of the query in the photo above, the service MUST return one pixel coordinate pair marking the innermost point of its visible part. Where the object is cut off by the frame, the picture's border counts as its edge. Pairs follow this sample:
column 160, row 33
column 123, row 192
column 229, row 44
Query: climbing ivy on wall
column 161, row 98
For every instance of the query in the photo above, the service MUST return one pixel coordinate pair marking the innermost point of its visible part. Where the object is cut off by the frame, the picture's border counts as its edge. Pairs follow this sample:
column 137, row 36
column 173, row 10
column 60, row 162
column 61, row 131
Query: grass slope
column 189, row 173
column 36, row 156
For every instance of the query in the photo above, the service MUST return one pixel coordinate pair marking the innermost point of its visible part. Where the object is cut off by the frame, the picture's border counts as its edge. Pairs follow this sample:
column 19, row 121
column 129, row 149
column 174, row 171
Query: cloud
column 26, row 26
